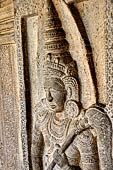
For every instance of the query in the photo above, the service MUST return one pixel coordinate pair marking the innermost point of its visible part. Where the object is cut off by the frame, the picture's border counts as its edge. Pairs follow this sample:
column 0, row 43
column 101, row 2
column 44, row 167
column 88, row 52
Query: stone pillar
column 10, row 151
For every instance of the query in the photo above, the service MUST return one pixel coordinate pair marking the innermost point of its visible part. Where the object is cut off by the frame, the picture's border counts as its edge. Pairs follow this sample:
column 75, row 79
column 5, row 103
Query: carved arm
column 102, row 124
column 61, row 160
column 36, row 149
column 80, row 126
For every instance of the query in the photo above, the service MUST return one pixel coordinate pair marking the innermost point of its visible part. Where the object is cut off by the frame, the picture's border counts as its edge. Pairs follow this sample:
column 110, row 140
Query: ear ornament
column 72, row 109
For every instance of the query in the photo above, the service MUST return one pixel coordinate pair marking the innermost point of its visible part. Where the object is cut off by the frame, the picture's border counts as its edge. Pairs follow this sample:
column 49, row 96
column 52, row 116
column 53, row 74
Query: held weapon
column 80, row 126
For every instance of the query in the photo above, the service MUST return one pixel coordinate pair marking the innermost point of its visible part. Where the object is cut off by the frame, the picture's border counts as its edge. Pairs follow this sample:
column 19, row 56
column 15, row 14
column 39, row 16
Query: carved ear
column 71, row 86
column 72, row 109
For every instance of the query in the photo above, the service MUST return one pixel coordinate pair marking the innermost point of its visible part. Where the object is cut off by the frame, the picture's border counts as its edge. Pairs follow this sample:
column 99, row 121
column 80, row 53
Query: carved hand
column 60, row 158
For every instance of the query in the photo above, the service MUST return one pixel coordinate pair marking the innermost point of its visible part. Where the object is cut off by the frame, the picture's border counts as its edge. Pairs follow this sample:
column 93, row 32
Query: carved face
column 55, row 94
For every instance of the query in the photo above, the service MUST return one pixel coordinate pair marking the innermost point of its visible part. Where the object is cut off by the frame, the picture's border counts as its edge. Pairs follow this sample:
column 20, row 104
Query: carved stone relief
column 23, row 9
column 109, row 62
column 10, row 148
column 56, row 81
column 63, row 131
column 109, row 58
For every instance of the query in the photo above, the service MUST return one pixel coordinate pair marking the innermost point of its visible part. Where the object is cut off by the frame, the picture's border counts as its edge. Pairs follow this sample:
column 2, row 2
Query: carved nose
column 49, row 97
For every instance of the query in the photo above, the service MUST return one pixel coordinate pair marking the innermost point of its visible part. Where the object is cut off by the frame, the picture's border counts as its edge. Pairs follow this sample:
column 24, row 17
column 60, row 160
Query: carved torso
column 54, row 131
column 61, row 85
column 81, row 152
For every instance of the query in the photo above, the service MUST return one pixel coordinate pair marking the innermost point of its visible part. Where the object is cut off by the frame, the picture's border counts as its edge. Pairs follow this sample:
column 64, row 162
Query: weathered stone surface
column 6, row 22
column 94, row 18
column 10, row 145
column 109, row 57
column 56, row 96
column 10, row 148
column 61, row 112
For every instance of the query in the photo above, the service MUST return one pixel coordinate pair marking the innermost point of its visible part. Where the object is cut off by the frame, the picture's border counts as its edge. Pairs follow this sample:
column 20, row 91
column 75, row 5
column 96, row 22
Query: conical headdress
column 57, row 60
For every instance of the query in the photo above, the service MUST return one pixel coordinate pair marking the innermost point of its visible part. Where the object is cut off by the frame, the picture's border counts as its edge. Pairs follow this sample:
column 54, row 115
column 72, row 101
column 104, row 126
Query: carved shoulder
column 97, row 116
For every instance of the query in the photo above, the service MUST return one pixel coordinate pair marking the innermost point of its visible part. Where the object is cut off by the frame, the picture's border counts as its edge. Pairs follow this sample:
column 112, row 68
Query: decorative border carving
column 23, row 8
column 30, row 7
column 109, row 57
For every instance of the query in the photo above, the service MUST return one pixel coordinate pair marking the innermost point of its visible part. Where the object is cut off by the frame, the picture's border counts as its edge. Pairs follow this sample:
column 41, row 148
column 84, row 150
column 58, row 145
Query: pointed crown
column 57, row 60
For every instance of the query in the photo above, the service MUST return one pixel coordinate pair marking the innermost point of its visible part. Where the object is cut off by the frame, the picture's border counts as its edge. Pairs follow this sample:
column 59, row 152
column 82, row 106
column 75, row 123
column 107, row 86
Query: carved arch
column 78, row 52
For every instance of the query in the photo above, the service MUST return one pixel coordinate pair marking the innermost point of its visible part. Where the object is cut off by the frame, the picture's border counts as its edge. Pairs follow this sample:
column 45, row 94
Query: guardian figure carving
column 63, row 135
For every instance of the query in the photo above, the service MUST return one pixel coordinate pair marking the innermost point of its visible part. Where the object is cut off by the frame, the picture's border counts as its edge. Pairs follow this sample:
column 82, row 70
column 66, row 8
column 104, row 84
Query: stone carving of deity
column 62, row 131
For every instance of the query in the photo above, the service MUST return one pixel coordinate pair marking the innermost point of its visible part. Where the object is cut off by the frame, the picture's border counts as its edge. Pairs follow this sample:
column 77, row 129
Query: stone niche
column 56, row 85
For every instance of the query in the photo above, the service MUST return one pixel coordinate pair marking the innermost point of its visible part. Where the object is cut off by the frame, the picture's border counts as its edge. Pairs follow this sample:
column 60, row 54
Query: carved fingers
column 60, row 158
